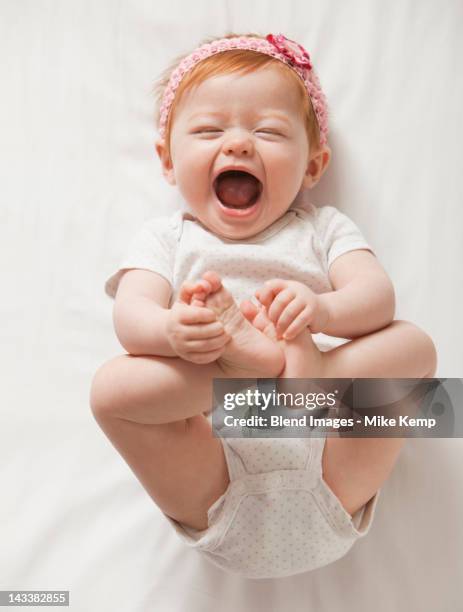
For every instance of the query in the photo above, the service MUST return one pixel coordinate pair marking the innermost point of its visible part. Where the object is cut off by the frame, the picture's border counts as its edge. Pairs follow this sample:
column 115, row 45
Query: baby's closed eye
column 269, row 133
column 206, row 130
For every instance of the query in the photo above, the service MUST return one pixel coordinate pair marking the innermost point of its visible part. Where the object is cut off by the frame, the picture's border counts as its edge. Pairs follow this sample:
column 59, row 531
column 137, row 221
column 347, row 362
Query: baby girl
column 243, row 132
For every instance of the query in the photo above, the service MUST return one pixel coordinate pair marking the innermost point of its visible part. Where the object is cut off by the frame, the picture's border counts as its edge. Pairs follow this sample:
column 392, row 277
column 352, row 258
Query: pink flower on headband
column 290, row 49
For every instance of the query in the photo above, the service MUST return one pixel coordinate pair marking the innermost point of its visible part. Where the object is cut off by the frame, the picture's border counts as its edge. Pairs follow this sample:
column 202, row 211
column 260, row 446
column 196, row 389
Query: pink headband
column 278, row 46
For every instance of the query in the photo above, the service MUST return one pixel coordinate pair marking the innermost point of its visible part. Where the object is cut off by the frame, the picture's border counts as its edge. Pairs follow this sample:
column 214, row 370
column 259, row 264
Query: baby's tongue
column 235, row 188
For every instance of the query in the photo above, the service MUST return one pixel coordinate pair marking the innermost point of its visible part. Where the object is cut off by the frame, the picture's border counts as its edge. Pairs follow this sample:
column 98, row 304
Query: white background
column 78, row 176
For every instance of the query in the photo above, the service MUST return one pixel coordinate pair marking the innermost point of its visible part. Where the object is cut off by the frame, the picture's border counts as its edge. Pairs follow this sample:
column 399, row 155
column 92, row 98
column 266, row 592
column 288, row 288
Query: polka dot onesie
column 278, row 517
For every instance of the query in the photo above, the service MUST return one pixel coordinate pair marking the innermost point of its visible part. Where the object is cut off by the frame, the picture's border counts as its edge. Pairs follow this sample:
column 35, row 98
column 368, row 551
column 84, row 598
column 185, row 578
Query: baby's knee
column 121, row 383
column 105, row 386
column 431, row 355
column 424, row 347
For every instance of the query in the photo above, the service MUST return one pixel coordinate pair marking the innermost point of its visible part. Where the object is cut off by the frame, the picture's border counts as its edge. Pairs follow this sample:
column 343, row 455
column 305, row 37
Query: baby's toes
column 203, row 286
column 258, row 318
column 200, row 291
column 213, row 280
column 249, row 310
column 198, row 299
column 186, row 292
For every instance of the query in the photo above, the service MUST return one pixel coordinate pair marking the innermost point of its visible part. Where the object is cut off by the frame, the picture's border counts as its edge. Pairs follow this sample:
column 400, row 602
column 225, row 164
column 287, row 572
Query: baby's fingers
column 279, row 304
column 265, row 296
column 203, row 331
column 196, row 314
column 208, row 345
column 289, row 315
column 271, row 288
column 298, row 325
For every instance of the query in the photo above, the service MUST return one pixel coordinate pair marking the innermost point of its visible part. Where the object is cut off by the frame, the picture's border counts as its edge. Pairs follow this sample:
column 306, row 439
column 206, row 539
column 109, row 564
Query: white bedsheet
column 79, row 175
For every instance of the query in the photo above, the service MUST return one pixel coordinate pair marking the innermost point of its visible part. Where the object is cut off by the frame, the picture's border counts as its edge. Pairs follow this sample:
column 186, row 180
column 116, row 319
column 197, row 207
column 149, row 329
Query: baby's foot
column 249, row 353
column 303, row 357
column 259, row 319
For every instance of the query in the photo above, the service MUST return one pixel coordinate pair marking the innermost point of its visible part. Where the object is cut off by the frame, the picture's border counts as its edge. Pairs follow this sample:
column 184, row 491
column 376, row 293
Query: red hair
column 236, row 60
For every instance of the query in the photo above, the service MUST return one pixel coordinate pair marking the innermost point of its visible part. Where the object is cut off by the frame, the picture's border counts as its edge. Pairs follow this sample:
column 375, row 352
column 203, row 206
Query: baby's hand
column 292, row 307
column 193, row 330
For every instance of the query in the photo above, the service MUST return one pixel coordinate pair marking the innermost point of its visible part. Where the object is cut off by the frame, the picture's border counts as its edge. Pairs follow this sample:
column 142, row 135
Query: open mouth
column 237, row 189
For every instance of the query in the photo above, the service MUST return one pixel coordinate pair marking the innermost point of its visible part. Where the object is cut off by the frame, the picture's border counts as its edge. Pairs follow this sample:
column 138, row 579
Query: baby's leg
column 181, row 465
column 151, row 410
column 355, row 468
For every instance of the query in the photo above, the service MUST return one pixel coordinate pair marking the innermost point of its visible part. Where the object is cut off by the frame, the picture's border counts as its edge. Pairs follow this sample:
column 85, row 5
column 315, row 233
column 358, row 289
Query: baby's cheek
column 192, row 175
column 284, row 182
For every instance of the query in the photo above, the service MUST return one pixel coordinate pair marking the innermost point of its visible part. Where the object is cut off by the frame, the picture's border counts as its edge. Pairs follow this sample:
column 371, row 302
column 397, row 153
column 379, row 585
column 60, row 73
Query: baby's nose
column 238, row 144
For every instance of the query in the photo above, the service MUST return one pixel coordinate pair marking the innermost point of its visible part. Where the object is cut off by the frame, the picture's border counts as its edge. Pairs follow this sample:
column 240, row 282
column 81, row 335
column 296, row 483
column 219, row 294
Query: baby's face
column 253, row 122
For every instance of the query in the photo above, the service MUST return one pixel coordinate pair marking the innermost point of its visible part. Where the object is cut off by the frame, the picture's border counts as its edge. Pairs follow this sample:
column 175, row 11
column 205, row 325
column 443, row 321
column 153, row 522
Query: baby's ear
column 318, row 163
column 166, row 162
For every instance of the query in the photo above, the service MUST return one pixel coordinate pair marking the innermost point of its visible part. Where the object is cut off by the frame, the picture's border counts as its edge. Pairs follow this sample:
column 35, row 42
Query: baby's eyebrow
column 206, row 114
column 258, row 116
column 276, row 115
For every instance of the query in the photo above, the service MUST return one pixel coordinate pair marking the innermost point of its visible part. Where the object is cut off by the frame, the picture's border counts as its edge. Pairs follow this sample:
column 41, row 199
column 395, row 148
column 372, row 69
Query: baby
column 243, row 132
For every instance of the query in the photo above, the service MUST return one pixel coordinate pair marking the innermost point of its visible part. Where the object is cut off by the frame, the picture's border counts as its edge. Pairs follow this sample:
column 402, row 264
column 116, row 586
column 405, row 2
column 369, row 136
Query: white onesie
column 301, row 245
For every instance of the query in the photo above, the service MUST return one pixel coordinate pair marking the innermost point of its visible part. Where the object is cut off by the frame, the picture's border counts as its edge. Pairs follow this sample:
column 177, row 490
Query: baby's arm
column 363, row 297
column 145, row 325
column 362, row 300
